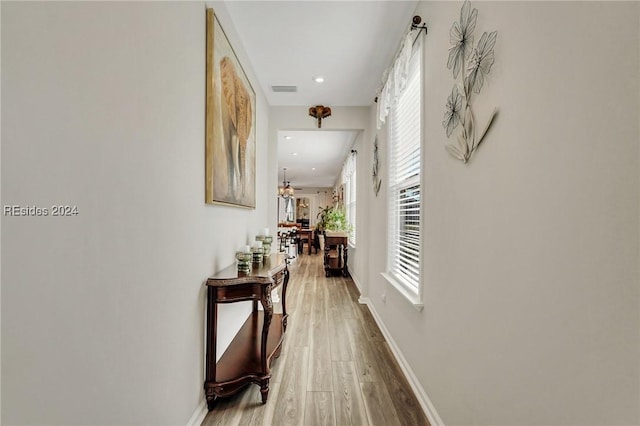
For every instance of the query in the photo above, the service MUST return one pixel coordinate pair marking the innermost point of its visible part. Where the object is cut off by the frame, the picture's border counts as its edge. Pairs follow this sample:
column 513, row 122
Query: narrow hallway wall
column 531, row 283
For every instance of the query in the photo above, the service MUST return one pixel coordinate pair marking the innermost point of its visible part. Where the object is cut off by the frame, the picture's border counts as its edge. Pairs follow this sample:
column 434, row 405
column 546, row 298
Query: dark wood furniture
column 305, row 235
column 335, row 255
column 248, row 358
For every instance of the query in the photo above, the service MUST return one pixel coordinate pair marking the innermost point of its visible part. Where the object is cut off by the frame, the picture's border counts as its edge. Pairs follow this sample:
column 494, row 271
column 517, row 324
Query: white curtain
column 395, row 80
column 348, row 168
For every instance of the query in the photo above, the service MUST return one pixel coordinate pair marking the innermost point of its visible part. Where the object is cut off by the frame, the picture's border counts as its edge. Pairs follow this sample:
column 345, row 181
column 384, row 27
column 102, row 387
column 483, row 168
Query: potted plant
column 321, row 225
column 331, row 221
column 322, row 218
column 335, row 222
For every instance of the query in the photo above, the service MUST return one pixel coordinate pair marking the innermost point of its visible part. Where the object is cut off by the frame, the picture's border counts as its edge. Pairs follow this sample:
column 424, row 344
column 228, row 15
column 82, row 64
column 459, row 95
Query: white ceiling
column 349, row 43
column 313, row 158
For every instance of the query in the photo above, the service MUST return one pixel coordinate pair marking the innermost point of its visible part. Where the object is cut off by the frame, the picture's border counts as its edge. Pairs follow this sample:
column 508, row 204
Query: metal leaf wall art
column 472, row 63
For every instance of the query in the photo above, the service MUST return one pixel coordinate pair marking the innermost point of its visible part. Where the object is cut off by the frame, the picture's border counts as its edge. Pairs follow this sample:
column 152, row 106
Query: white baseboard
column 418, row 390
column 199, row 415
column 356, row 281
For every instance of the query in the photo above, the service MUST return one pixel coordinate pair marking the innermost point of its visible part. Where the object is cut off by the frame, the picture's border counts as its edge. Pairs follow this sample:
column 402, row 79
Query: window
column 349, row 182
column 405, row 164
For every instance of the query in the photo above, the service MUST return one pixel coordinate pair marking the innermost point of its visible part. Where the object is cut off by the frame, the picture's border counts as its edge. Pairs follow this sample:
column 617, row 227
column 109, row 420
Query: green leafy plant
column 322, row 218
column 335, row 219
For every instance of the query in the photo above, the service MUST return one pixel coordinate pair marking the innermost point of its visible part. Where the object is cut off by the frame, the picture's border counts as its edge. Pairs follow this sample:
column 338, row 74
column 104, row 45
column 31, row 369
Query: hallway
column 335, row 367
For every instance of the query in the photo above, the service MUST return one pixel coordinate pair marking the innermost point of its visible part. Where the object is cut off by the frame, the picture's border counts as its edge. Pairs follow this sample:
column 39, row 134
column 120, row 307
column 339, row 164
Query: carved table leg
column 210, row 369
column 285, row 316
column 267, row 304
column 264, row 391
column 211, row 402
column 345, row 270
column 327, row 249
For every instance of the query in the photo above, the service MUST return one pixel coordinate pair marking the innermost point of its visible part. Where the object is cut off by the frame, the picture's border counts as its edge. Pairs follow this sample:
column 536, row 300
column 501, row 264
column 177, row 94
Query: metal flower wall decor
column 472, row 64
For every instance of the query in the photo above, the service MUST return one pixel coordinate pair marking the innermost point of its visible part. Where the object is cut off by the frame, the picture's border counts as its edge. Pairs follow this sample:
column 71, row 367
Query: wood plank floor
column 335, row 368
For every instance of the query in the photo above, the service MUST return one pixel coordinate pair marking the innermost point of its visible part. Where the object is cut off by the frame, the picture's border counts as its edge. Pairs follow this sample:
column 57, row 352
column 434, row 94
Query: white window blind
column 351, row 205
column 349, row 182
column 404, row 180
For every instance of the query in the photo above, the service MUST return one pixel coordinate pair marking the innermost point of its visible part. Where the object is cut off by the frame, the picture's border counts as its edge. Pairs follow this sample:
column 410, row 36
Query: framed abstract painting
column 230, row 136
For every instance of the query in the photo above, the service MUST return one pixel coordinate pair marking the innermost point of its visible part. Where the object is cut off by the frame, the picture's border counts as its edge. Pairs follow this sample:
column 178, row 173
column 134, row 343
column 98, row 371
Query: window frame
column 413, row 293
column 350, row 185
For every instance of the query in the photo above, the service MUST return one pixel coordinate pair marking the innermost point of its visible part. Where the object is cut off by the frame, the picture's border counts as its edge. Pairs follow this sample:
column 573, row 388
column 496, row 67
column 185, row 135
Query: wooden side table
column 336, row 254
column 248, row 358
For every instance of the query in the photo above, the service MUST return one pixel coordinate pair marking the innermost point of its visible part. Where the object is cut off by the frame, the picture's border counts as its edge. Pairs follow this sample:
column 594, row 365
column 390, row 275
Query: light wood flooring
column 335, row 369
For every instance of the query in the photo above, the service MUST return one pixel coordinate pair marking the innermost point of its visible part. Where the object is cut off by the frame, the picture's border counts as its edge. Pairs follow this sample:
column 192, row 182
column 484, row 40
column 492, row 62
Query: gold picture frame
column 230, row 136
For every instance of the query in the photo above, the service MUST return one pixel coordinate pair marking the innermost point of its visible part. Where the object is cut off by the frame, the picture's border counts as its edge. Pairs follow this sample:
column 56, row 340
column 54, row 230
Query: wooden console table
column 335, row 255
column 248, row 358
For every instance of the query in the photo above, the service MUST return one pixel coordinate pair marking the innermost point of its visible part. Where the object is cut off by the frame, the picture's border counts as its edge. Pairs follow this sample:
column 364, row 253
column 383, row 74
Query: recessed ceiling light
column 318, row 79
column 313, row 168
column 295, row 153
column 288, row 138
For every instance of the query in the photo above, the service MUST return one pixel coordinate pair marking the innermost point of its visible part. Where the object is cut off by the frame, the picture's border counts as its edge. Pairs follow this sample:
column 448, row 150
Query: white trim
column 411, row 297
column 198, row 417
column 418, row 390
column 356, row 281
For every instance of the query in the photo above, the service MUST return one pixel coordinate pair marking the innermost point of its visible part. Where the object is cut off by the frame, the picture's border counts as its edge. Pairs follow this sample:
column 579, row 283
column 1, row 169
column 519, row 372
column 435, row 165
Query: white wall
column 102, row 313
column 531, row 250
